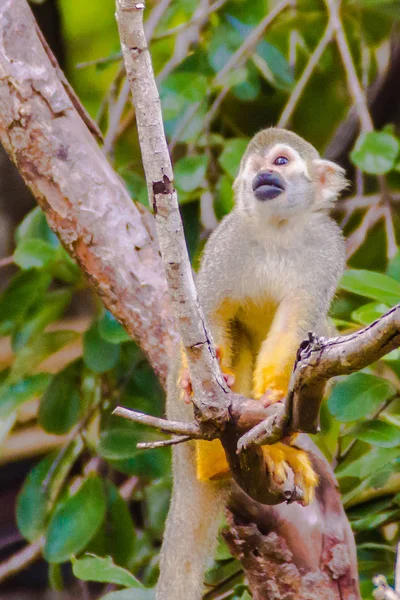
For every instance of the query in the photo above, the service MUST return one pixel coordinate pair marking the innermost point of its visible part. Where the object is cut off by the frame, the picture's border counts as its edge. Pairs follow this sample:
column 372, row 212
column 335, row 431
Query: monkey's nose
column 267, row 185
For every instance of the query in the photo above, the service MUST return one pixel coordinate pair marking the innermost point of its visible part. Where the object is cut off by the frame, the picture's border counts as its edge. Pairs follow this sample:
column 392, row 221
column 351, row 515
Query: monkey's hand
column 279, row 457
column 186, row 385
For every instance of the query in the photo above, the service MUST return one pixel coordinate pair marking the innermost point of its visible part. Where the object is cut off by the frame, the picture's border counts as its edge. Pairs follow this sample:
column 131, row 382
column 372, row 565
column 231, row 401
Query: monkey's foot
column 280, row 457
column 186, row 385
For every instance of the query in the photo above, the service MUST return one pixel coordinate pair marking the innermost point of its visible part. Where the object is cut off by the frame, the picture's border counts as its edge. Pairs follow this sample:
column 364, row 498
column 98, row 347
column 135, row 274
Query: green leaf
column 371, row 285
column 120, row 531
column 15, row 394
column 359, row 395
column 118, row 443
column 49, row 310
column 369, row 463
column 75, row 522
column 34, row 253
column 375, row 152
column 95, row 568
column 378, row 433
column 35, row 226
column 24, row 290
column 99, row 356
column 190, row 172
column 370, row 312
column 60, row 406
column 177, row 84
column 131, row 594
column 111, row 330
column 32, row 504
column 31, row 355
column 274, row 66
column 232, row 154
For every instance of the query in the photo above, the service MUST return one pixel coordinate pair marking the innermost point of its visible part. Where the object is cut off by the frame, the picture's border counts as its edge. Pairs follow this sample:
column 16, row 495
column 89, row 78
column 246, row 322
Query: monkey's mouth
column 267, row 185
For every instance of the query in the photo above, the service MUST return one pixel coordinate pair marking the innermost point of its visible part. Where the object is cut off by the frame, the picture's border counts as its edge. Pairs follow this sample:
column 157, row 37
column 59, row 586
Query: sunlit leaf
column 95, row 568
column 231, row 155
column 371, row 285
column 190, row 172
column 358, row 395
column 370, row 312
column 14, row 394
column 378, row 433
column 375, row 152
column 34, row 253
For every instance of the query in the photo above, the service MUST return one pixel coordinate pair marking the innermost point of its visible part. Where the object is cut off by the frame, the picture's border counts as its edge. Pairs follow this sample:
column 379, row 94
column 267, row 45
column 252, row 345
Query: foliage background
column 65, row 362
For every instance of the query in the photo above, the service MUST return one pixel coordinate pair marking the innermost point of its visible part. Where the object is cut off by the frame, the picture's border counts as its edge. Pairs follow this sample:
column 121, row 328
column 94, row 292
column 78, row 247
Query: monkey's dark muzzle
column 267, row 185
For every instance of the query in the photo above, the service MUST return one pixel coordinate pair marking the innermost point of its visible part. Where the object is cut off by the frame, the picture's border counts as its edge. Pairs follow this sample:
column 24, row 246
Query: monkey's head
column 282, row 175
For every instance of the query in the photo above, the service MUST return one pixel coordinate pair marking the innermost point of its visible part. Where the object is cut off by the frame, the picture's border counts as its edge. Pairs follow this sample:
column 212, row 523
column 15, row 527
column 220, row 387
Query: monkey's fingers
column 271, row 396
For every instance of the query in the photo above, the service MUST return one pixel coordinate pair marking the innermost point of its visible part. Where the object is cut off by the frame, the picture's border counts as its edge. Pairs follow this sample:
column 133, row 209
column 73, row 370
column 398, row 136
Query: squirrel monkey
column 267, row 277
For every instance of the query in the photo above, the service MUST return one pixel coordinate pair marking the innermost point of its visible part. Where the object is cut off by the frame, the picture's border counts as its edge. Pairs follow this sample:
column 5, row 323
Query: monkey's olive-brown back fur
column 267, row 138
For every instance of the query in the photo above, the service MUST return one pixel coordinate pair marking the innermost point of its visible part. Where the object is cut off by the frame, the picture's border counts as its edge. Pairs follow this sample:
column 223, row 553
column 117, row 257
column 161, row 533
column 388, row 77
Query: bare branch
column 356, row 91
column 323, row 358
column 163, row 443
column 209, row 386
column 21, row 559
column 305, row 76
column 162, row 424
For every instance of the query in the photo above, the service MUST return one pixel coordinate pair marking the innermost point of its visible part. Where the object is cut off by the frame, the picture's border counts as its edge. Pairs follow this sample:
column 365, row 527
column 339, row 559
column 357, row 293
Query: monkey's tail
column 191, row 530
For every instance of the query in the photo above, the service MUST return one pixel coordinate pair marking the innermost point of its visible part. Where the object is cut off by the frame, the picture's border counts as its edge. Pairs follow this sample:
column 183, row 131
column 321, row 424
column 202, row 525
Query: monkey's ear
column 329, row 178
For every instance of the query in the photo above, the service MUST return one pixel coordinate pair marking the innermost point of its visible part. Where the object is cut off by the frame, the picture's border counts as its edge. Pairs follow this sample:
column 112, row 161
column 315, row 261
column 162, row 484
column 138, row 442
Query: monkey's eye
column 281, row 160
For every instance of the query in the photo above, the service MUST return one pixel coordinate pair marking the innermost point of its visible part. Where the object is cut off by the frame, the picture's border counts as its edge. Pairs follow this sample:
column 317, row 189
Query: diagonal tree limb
column 84, row 200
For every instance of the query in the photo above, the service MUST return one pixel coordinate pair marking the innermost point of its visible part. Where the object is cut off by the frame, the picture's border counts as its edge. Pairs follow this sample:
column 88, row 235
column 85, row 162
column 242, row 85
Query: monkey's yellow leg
column 278, row 352
column 279, row 456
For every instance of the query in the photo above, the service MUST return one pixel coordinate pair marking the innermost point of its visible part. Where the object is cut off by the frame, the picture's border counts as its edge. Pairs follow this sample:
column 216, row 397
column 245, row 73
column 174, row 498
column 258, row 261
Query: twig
column 356, row 91
column 390, row 231
column 185, row 39
column 115, row 117
column 99, row 61
column 173, row 30
column 163, row 443
column 155, row 17
column 357, row 238
column 186, row 429
column 305, row 76
column 21, row 559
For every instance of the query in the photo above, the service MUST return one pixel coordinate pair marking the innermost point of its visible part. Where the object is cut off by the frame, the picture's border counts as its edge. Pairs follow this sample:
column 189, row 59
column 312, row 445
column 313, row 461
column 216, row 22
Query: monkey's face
column 279, row 183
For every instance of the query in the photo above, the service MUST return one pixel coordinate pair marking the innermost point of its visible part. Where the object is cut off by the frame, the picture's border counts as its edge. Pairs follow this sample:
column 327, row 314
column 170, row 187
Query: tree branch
column 84, row 200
